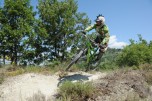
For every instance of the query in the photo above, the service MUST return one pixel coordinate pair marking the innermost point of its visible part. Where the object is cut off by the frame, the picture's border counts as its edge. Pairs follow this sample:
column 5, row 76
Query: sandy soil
column 24, row 87
column 120, row 85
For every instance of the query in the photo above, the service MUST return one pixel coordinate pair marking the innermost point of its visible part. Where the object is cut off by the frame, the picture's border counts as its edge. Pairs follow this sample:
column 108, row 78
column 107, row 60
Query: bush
column 78, row 91
column 136, row 53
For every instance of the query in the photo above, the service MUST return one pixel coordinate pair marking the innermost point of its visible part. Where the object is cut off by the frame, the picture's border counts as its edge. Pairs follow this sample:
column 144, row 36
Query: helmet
column 100, row 18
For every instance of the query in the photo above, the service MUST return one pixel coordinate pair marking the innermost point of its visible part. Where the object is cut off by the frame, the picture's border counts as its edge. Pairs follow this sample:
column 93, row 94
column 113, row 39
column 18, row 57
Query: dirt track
column 116, row 86
column 27, row 87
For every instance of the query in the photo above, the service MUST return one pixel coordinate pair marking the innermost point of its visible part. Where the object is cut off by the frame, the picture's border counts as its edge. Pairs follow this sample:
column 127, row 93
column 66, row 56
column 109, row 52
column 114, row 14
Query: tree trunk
column 15, row 54
column 4, row 58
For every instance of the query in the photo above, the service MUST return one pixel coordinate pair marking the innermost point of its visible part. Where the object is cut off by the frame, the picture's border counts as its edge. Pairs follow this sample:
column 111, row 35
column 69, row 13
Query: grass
column 148, row 76
column 78, row 91
column 1, row 75
column 37, row 97
column 147, row 72
column 132, row 97
column 12, row 70
column 1, row 78
column 16, row 70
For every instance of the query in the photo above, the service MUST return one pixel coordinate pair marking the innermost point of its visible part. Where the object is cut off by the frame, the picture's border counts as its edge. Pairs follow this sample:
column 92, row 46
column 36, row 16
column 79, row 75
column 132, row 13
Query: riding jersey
column 103, row 32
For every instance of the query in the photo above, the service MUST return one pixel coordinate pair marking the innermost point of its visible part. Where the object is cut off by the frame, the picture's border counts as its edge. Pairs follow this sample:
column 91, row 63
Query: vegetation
column 26, row 39
column 1, row 78
column 17, row 24
column 109, row 59
column 10, row 70
column 29, row 40
column 147, row 68
column 78, row 91
column 136, row 53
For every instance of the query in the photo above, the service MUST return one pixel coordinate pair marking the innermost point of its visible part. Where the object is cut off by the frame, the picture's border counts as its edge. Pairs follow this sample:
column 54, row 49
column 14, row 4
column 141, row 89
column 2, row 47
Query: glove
column 84, row 32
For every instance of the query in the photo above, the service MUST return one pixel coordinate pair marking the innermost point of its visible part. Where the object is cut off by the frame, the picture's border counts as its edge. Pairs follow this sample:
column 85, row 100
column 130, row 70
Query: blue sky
column 125, row 18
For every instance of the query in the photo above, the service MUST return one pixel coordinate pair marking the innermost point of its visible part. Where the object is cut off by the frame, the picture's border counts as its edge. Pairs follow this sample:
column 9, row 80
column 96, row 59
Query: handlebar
column 94, row 43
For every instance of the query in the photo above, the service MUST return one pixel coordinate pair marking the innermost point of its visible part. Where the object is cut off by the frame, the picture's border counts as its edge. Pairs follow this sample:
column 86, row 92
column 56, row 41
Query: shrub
column 136, row 53
column 78, row 91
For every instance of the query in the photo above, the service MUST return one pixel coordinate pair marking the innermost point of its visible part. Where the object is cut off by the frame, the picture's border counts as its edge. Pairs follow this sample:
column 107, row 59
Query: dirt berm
column 124, row 85
column 121, row 85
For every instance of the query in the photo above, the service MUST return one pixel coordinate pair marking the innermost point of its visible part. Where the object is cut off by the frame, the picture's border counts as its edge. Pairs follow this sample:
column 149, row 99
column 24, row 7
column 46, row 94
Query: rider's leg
column 98, row 39
column 101, row 52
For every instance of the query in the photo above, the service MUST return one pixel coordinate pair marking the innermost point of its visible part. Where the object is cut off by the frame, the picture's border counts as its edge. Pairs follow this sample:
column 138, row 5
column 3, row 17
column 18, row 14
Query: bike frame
column 89, row 51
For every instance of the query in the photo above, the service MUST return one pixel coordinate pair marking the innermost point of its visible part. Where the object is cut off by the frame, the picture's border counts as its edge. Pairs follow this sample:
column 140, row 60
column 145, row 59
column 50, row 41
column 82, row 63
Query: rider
column 102, row 34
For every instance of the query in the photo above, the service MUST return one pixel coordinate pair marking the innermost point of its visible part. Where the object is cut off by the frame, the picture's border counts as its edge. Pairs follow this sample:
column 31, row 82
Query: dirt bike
column 90, row 54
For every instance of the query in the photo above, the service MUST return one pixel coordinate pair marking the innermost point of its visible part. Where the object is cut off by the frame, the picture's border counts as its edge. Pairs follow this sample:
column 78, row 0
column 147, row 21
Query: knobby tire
column 76, row 58
column 92, row 66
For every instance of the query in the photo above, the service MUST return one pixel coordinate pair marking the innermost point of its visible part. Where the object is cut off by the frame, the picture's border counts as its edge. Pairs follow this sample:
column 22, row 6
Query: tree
column 61, row 21
column 17, row 19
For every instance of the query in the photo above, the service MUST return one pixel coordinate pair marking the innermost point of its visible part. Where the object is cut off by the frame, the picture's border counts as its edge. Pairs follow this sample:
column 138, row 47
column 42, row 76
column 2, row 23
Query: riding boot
column 99, row 55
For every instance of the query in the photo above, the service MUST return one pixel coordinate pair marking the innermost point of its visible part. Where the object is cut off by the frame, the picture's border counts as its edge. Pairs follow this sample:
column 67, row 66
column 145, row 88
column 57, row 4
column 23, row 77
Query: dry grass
column 132, row 97
column 148, row 77
column 1, row 78
column 2, row 75
column 146, row 67
column 16, row 70
column 11, row 70
column 147, row 72
column 37, row 97
column 127, row 85
column 78, row 91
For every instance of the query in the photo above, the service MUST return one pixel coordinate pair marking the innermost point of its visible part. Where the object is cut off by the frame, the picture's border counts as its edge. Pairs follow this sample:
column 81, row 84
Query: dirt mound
column 23, row 87
column 124, row 86
column 38, row 87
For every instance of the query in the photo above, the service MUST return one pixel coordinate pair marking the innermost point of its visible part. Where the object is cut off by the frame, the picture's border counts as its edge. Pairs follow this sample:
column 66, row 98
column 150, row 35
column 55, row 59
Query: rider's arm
column 106, row 39
column 107, row 35
column 89, row 28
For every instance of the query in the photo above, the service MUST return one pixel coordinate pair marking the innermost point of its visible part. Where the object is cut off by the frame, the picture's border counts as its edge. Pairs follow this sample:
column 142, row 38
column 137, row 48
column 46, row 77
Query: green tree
column 62, row 22
column 17, row 19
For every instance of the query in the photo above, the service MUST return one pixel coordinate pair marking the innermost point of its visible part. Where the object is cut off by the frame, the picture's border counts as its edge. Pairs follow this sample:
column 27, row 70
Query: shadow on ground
column 73, row 78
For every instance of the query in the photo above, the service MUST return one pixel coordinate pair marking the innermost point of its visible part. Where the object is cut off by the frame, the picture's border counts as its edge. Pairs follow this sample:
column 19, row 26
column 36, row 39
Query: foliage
column 61, row 21
column 78, row 91
column 28, row 39
column 109, row 59
column 17, row 19
column 136, row 53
